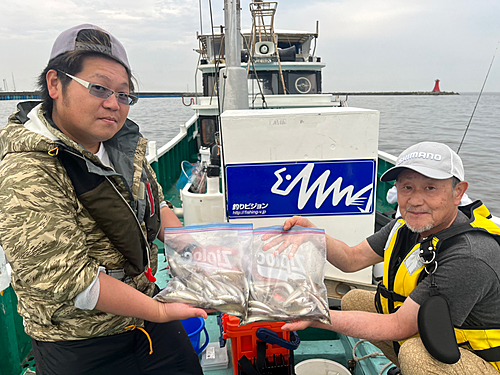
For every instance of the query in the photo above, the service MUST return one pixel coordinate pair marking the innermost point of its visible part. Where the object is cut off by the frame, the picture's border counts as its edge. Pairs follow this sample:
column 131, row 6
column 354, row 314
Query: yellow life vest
column 398, row 282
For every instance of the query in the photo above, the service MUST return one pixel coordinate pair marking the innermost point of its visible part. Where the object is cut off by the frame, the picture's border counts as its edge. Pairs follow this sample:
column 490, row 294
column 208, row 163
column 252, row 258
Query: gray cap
column 432, row 159
column 67, row 41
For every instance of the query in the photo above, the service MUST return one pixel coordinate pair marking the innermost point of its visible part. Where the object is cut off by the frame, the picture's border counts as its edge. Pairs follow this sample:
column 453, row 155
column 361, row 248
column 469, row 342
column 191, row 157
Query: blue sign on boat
column 337, row 187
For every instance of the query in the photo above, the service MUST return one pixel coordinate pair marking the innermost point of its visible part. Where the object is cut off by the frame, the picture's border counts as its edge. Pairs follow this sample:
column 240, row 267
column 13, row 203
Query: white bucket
column 319, row 366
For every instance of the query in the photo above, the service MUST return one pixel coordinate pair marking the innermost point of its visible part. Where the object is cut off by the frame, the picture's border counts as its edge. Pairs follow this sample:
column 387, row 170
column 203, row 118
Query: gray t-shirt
column 468, row 275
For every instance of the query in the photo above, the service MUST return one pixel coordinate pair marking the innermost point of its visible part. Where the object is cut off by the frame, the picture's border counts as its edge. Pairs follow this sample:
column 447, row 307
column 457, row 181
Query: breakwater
column 374, row 93
column 23, row 95
column 19, row 95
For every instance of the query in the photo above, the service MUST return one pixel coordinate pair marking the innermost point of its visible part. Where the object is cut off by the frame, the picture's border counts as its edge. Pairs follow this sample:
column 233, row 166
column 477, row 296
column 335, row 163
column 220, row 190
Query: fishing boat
column 269, row 139
column 269, row 83
column 270, row 145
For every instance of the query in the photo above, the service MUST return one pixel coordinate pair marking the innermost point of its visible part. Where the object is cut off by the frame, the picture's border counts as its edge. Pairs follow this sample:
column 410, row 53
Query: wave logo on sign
column 338, row 193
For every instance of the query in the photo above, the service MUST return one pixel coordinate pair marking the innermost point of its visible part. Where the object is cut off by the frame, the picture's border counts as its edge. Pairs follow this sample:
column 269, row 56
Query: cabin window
column 209, row 87
column 268, row 83
column 208, row 128
column 210, row 49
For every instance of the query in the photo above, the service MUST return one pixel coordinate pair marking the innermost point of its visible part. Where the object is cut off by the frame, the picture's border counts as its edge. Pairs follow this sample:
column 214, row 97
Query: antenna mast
column 263, row 31
column 234, row 90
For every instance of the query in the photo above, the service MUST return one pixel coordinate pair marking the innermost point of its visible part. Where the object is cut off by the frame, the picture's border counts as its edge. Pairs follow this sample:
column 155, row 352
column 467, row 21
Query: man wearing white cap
column 457, row 247
column 79, row 210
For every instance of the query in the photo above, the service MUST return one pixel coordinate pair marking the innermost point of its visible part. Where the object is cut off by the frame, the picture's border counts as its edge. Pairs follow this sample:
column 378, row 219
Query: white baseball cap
column 68, row 41
column 431, row 159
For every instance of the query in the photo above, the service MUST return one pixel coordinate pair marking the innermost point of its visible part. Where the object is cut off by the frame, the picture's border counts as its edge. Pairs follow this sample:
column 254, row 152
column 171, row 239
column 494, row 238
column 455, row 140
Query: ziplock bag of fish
column 287, row 288
column 206, row 264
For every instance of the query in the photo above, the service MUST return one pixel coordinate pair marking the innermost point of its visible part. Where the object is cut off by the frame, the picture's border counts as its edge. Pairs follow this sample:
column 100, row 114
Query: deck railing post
column 153, row 157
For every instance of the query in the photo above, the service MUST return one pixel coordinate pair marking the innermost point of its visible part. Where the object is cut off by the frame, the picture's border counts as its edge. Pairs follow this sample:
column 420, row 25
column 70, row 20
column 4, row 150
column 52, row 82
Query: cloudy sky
column 368, row 45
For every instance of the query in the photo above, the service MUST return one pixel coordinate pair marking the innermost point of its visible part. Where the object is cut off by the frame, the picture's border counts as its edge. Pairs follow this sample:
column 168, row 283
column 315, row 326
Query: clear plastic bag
column 284, row 288
column 206, row 262
column 198, row 178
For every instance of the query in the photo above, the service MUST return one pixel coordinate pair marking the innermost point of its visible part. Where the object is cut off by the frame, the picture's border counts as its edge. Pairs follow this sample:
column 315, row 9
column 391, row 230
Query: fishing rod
column 482, row 88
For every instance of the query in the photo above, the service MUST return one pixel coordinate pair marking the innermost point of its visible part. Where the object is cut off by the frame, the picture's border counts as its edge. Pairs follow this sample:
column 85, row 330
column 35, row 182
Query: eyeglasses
column 103, row 92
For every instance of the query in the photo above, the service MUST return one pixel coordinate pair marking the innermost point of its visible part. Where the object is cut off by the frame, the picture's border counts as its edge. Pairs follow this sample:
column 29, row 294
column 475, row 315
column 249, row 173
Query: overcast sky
column 378, row 45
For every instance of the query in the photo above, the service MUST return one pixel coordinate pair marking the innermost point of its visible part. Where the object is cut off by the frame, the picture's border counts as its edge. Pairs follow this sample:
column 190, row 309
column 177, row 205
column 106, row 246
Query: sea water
column 404, row 120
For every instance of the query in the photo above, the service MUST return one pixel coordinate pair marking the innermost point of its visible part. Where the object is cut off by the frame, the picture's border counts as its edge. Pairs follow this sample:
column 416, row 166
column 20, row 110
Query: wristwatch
column 188, row 249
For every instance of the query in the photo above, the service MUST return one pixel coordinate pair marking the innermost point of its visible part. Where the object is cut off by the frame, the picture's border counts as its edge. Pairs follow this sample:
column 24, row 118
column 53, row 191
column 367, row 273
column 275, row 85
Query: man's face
column 85, row 118
column 426, row 204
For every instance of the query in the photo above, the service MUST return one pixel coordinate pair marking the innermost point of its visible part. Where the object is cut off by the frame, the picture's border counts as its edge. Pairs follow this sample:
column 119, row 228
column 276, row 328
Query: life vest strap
column 389, row 294
column 489, row 355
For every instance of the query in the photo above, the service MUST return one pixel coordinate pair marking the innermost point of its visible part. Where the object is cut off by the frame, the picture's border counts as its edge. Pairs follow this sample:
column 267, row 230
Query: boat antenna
column 216, row 61
column 316, row 37
column 201, row 20
column 482, row 88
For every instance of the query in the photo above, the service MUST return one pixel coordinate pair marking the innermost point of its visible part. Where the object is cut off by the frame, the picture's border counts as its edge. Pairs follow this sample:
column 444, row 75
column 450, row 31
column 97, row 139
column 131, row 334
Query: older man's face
column 427, row 205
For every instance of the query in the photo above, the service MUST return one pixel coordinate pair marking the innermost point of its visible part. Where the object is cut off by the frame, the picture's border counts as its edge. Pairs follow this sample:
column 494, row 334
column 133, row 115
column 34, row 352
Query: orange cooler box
column 244, row 339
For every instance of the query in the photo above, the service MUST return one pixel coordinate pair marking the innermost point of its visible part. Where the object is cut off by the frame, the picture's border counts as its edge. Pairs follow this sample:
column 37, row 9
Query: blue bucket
column 186, row 169
column 193, row 327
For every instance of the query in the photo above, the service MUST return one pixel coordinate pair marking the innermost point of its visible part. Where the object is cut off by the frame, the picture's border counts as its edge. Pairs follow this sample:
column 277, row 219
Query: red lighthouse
column 436, row 86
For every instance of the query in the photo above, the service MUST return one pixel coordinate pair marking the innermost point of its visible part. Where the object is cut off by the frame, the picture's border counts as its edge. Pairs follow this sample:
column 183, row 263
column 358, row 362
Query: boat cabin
column 294, row 60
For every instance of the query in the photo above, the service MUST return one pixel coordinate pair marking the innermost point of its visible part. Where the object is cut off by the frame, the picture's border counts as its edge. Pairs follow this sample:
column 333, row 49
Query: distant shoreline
column 22, row 95
column 396, row 93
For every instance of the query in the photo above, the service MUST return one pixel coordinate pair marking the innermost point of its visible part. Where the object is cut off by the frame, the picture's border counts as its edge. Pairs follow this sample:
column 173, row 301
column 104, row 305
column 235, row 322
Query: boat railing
column 387, row 157
column 166, row 161
column 385, row 161
column 276, row 101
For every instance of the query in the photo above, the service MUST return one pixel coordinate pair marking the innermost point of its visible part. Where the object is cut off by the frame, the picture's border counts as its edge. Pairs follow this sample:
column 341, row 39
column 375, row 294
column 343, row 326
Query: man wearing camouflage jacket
column 79, row 211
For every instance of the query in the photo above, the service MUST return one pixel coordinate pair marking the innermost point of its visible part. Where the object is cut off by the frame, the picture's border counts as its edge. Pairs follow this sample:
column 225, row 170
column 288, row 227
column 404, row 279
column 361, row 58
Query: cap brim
column 393, row 173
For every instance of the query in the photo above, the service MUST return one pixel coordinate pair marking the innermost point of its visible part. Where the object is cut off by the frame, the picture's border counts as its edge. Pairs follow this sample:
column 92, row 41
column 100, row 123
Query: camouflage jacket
column 52, row 242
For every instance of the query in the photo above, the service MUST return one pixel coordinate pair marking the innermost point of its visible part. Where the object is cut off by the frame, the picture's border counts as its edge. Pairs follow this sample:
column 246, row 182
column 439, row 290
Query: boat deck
column 315, row 343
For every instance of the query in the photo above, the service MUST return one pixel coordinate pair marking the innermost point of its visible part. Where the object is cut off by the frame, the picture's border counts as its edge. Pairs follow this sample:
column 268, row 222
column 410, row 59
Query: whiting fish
column 223, row 290
column 230, row 292
column 287, row 300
